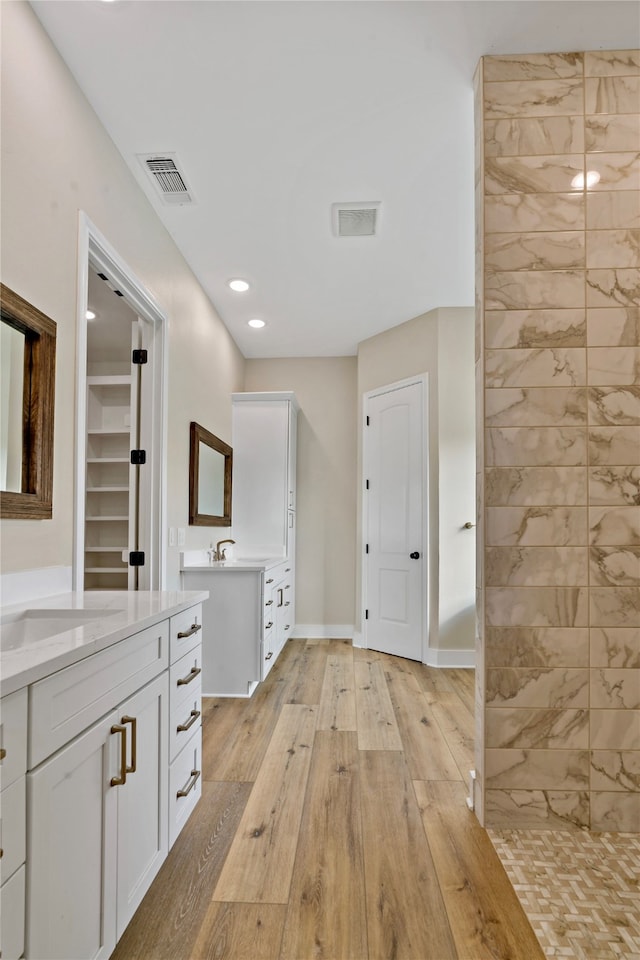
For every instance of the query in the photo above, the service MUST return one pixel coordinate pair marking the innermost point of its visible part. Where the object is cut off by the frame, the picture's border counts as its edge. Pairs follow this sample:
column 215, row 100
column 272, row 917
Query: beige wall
column 440, row 344
column 57, row 160
column 559, row 367
column 325, row 388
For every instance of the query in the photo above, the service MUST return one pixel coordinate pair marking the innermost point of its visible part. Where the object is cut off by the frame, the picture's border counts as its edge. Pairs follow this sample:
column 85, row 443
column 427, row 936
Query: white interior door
column 395, row 571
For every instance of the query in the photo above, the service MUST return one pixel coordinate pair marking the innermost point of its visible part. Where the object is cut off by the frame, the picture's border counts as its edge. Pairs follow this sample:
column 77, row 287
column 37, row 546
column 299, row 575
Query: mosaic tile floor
column 580, row 891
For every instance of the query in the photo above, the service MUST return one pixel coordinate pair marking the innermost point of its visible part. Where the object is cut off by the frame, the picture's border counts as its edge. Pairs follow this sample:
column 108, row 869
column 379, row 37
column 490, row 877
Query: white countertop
column 197, row 560
column 125, row 612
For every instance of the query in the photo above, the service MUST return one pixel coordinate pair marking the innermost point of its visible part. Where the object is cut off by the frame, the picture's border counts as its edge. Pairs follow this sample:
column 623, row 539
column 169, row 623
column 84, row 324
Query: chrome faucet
column 221, row 554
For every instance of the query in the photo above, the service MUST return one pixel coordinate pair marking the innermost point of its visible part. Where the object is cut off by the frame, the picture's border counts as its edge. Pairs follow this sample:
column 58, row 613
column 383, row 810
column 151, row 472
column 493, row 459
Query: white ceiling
column 277, row 109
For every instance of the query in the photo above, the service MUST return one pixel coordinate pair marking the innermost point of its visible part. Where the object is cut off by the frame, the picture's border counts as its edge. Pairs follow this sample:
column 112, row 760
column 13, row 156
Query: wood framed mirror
column 28, row 359
column 210, row 473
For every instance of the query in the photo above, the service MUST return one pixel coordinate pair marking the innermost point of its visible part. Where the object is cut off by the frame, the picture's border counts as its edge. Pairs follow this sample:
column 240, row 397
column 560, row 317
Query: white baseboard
column 323, row 631
column 357, row 639
column 23, row 586
column 450, row 658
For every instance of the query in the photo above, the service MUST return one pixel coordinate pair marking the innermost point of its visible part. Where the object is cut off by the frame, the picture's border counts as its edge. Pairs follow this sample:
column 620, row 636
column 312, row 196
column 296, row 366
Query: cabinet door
column 143, row 800
column 72, row 828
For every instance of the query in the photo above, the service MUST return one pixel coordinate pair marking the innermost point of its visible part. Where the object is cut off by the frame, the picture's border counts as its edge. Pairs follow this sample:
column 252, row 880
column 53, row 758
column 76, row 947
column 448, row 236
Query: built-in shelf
column 109, row 444
column 124, row 489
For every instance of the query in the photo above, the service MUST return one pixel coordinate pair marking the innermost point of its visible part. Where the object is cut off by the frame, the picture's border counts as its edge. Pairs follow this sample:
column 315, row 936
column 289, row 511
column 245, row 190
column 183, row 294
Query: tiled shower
column 558, row 376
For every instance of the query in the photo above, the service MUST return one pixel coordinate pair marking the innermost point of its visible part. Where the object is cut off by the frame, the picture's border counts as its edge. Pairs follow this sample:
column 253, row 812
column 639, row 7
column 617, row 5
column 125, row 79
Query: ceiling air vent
column 355, row 219
column 169, row 180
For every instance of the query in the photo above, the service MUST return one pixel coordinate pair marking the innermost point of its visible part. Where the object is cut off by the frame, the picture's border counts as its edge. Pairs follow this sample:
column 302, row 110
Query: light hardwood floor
column 333, row 825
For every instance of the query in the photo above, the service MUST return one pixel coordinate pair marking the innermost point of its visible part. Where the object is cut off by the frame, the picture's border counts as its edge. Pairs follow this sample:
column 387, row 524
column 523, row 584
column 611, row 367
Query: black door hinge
column 138, row 457
column 366, row 614
column 368, row 421
column 139, row 356
column 367, row 484
column 136, row 558
column 366, row 548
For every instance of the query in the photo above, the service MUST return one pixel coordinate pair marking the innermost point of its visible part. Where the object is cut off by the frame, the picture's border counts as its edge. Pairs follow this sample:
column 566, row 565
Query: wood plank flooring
column 333, row 825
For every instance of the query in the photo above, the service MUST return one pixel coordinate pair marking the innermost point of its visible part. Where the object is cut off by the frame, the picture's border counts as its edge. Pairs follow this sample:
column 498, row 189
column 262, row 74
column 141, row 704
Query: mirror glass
column 27, row 368
column 210, row 472
column 12, row 346
column 210, row 481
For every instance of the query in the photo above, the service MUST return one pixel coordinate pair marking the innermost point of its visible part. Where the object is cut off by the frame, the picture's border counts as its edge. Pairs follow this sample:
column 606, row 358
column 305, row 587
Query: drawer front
column 12, row 895
column 185, row 701
column 67, row 702
column 185, row 785
column 13, row 737
column 186, row 632
column 13, row 827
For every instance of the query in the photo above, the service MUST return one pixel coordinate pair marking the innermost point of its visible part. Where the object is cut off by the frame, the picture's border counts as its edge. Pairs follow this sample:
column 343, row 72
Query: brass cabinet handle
column 270, row 581
column 122, row 730
column 134, row 741
column 194, row 779
column 3, row 753
column 288, row 586
column 269, row 655
column 268, row 603
column 193, row 673
column 185, row 726
column 281, row 597
column 190, row 632
column 287, row 627
column 268, row 626
column 287, row 603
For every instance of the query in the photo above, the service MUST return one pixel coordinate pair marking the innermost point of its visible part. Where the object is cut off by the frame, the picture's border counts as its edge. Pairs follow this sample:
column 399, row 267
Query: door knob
column 468, row 525
column 415, row 555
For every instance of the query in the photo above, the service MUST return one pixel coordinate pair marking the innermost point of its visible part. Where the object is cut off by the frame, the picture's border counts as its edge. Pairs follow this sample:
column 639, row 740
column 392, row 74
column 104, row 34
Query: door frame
column 95, row 250
column 421, row 380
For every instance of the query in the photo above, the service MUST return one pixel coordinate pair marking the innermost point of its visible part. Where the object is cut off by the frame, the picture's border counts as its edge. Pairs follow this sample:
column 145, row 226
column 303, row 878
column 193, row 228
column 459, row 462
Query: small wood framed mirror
column 28, row 360
column 210, row 473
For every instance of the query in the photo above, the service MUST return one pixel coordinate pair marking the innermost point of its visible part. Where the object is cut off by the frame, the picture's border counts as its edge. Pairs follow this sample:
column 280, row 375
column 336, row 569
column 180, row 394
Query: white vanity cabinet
column 13, row 834
column 97, row 821
column 100, row 793
column 247, row 620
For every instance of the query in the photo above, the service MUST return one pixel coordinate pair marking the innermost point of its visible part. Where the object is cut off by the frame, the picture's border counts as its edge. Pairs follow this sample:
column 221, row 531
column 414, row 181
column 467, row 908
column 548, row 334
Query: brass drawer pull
column 268, row 603
column 268, row 626
column 269, row 655
column 287, row 603
column 190, row 632
column 3, row 753
column 288, row 586
column 122, row 730
column 287, row 626
column 185, row 726
column 193, row 673
column 270, row 580
column 287, row 570
column 194, row 779
column 280, row 597
column 134, row 741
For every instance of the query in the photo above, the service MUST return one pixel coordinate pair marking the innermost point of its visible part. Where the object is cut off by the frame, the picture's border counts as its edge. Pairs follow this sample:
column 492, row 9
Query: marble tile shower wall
column 558, row 176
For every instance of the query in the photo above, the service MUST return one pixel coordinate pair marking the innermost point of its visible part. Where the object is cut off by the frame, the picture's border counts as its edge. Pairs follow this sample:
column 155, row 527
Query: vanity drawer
column 13, row 827
column 185, row 631
column 185, row 704
column 185, row 784
column 12, row 899
column 13, row 737
column 67, row 702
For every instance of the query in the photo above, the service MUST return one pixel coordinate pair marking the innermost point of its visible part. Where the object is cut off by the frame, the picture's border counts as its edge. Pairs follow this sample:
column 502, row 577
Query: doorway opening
column 120, row 425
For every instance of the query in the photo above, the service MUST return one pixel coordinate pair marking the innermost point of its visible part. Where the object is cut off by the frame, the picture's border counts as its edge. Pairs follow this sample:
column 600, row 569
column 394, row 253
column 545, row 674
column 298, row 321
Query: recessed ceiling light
column 256, row 323
column 592, row 178
column 240, row 286
column 90, row 315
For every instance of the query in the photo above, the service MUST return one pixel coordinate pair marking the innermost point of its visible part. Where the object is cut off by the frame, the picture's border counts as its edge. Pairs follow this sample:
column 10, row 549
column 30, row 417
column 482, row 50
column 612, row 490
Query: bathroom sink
column 31, row 626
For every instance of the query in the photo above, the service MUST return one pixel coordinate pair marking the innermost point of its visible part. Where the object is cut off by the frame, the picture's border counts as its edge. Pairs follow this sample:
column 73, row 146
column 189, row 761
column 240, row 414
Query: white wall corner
column 450, row 658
